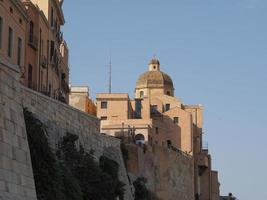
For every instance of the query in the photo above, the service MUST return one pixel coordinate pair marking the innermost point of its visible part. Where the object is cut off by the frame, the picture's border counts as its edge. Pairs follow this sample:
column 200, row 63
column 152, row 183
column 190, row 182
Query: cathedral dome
column 154, row 78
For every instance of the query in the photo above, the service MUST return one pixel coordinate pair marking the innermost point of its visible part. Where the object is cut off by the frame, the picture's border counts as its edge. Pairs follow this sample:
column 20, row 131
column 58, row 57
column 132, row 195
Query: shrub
column 52, row 179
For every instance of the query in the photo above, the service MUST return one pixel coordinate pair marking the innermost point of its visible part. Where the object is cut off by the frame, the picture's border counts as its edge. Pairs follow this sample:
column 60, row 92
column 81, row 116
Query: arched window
column 141, row 94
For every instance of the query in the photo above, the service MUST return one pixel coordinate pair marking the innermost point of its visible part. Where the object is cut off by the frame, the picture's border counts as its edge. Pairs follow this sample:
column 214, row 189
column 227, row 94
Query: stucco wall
column 16, row 176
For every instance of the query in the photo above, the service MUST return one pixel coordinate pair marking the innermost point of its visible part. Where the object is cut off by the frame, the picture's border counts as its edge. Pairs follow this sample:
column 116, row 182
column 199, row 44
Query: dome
column 154, row 79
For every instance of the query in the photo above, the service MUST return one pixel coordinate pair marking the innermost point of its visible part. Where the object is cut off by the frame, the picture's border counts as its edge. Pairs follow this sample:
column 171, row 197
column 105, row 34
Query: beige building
column 46, row 67
column 13, row 22
column 157, row 118
column 79, row 98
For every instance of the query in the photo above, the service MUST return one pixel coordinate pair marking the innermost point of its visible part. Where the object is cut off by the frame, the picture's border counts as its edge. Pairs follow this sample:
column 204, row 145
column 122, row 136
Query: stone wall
column 169, row 173
column 16, row 176
column 60, row 118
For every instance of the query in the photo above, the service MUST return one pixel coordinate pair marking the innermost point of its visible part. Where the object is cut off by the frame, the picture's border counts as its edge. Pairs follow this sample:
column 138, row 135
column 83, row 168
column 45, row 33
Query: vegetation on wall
column 52, row 179
column 97, row 181
column 71, row 173
column 125, row 153
column 141, row 191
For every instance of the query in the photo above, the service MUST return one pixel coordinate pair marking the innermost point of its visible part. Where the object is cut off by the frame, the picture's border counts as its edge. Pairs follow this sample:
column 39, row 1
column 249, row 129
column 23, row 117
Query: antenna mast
column 109, row 85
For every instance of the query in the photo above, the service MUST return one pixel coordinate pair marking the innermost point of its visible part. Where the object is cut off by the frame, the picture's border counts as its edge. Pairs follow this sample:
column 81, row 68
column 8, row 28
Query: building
column 79, row 98
column 46, row 67
column 158, row 119
column 13, row 22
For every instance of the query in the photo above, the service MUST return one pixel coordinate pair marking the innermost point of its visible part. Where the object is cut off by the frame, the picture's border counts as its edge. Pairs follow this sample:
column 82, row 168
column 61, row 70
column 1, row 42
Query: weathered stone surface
column 16, row 176
column 60, row 119
column 13, row 147
column 169, row 173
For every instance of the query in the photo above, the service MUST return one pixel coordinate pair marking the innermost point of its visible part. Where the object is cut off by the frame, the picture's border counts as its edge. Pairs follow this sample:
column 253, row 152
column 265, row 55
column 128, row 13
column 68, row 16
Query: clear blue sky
column 216, row 54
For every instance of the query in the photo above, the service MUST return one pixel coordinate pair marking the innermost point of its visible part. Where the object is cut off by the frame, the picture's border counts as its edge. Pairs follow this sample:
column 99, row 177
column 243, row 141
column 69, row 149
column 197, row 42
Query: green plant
column 141, row 191
column 97, row 181
column 52, row 179
column 125, row 153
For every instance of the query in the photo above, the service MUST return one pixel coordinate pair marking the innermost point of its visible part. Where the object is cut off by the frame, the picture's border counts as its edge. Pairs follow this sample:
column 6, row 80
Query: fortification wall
column 16, row 176
column 60, row 119
column 169, row 173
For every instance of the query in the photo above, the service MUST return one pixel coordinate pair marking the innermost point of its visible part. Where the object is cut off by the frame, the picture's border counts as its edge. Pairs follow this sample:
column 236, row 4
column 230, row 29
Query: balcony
column 202, row 162
column 33, row 42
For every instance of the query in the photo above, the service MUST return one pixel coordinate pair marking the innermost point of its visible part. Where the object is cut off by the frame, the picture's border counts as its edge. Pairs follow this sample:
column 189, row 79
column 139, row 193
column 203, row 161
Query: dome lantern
column 154, row 65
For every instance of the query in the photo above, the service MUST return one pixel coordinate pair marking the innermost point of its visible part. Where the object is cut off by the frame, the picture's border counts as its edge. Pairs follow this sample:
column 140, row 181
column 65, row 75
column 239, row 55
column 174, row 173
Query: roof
column 154, row 79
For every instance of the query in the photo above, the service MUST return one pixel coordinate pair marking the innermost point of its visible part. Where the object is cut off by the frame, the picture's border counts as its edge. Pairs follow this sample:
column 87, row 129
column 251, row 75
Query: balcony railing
column 33, row 42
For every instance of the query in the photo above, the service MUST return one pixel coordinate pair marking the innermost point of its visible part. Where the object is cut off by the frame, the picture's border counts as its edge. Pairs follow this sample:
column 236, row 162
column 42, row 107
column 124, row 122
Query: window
column 1, row 30
column 157, row 130
column 154, row 109
column 167, row 107
column 176, row 120
column 138, row 108
column 52, row 17
column 50, row 88
column 31, row 32
column 10, row 42
column 30, row 76
column 52, row 50
column 104, row 104
column 141, row 94
column 168, row 93
column 169, row 143
column 104, row 118
column 19, row 51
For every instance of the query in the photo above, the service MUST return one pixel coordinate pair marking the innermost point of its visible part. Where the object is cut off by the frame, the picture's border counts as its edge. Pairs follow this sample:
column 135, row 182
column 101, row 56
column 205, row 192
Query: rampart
column 169, row 173
column 16, row 177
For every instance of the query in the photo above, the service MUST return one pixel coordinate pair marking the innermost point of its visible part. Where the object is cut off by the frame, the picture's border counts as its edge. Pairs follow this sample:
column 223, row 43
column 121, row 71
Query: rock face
column 16, row 177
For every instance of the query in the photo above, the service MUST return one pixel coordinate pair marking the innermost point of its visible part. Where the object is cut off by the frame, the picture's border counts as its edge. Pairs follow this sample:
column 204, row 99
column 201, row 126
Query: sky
column 214, row 50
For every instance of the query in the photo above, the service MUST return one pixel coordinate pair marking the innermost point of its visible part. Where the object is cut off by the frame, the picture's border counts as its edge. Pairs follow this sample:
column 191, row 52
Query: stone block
column 1, row 134
column 19, row 155
column 2, row 186
column 27, row 181
column 5, row 150
column 6, row 163
column 10, row 126
column 30, row 193
column 13, row 115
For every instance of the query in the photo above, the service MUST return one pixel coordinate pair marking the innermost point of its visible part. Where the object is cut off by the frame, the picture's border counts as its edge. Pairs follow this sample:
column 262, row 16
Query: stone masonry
column 60, row 118
column 16, row 176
